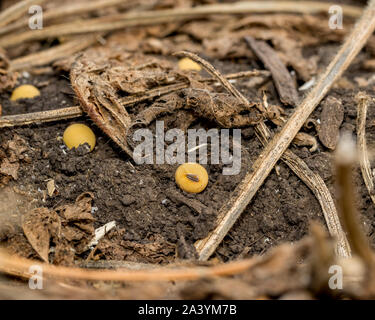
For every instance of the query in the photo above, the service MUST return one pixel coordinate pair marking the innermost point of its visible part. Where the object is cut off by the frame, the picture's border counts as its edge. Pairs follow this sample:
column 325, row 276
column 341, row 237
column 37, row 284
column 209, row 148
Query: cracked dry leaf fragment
column 331, row 119
column 98, row 100
column 303, row 139
column 17, row 146
column 9, row 169
column 39, row 226
column 9, row 160
column 101, row 76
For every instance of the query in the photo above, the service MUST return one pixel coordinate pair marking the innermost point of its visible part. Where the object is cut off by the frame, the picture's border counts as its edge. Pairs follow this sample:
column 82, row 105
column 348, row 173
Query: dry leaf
column 69, row 227
column 9, row 169
column 98, row 78
column 330, row 121
column 9, row 158
column 303, row 139
column 77, row 222
column 284, row 83
column 39, row 226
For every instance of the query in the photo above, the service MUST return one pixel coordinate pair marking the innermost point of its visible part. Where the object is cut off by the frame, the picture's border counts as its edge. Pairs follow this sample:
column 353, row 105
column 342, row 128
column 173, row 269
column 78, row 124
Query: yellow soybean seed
column 191, row 177
column 77, row 134
column 188, row 64
column 24, row 91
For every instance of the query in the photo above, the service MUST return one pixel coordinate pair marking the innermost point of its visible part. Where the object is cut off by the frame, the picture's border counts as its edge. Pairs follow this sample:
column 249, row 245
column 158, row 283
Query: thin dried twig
column 277, row 146
column 53, row 54
column 346, row 158
column 363, row 101
column 20, row 267
column 76, row 111
column 182, row 85
column 65, row 11
column 321, row 192
column 17, row 10
column 113, row 264
column 120, row 21
column 298, row 166
column 130, row 265
column 40, row 117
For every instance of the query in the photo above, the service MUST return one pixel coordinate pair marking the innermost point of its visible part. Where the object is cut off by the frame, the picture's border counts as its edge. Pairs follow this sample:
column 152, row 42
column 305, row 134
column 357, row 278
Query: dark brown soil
column 140, row 198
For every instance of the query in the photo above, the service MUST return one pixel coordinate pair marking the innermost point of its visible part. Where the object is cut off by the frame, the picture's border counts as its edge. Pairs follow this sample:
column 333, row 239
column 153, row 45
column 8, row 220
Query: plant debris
column 11, row 153
column 331, row 119
column 283, row 81
column 103, row 226
column 69, row 228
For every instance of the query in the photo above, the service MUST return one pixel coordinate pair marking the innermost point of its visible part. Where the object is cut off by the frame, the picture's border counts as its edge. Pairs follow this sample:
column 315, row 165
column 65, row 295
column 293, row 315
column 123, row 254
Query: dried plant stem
column 113, row 264
column 345, row 160
column 65, row 11
column 53, row 54
column 74, row 112
column 40, row 117
column 216, row 74
column 321, row 192
column 276, row 147
column 17, row 10
column 20, row 267
column 323, row 257
column 129, row 265
column 363, row 101
column 120, row 21
column 298, row 166
column 178, row 86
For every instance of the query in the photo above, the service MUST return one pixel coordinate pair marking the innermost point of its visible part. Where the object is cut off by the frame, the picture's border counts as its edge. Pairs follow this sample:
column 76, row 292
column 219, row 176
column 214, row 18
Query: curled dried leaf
column 13, row 151
column 303, row 139
column 9, row 169
column 100, row 77
column 40, row 226
column 224, row 109
column 69, row 228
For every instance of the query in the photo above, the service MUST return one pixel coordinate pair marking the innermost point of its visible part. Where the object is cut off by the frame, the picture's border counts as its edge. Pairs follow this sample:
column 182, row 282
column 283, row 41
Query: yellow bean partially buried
column 191, row 177
column 188, row 64
column 24, row 91
column 77, row 134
